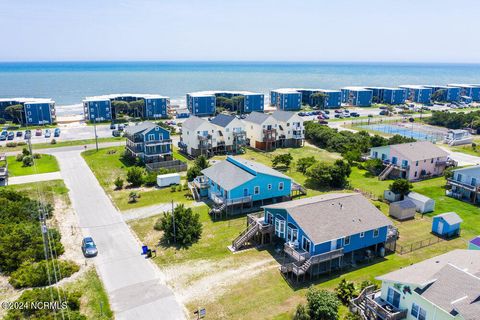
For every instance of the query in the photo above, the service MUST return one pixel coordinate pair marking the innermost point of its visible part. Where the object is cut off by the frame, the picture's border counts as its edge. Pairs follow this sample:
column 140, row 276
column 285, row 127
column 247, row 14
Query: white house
column 231, row 135
column 199, row 137
column 262, row 130
column 291, row 132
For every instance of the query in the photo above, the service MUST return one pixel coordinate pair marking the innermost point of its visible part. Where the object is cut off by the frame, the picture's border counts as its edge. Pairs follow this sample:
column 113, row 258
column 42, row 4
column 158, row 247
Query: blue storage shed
column 446, row 225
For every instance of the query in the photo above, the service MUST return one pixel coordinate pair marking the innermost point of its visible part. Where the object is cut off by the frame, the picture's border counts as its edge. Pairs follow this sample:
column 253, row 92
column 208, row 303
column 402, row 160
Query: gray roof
column 334, row 215
column 420, row 150
column 257, row 117
column 472, row 168
column 193, row 123
column 455, row 290
column 423, row 273
column 419, row 197
column 281, row 115
column 222, row 120
column 404, row 204
column 140, row 127
column 450, row 217
column 229, row 175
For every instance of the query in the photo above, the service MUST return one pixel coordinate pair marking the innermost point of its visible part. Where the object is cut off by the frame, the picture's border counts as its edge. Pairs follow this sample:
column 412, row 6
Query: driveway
column 463, row 159
column 135, row 285
column 35, row 178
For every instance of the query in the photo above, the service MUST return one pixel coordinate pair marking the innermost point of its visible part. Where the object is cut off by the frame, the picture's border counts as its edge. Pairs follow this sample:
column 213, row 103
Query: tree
column 353, row 155
column 304, row 163
column 322, row 304
column 345, row 291
column 15, row 111
column 133, row 197
column 353, row 316
column 448, row 173
column 136, row 108
column 202, row 162
column 374, row 166
column 367, row 283
column 319, row 99
column 301, row 313
column 36, row 274
column 27, row 161
column 401, row 186
column 135, row 176
column 439, row 95
column 150, row 179
column 118, row 183
column 325, row 174
column 340, row 172
column 285, row 159
column 238, row 103
column 192, row 173
column 184, row 227
column 119, row 107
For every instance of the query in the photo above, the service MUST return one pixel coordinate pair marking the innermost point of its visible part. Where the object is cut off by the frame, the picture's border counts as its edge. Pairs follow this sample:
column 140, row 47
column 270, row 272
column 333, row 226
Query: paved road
column 463, row 159
column 34, row 178
column 135, row 286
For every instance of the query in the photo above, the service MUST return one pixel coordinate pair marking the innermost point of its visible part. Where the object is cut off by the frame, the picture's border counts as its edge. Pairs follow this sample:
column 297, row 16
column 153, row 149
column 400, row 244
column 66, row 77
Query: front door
column 440, row 227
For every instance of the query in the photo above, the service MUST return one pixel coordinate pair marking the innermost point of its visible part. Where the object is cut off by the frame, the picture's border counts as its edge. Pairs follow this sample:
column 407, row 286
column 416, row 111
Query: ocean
column 69, row 82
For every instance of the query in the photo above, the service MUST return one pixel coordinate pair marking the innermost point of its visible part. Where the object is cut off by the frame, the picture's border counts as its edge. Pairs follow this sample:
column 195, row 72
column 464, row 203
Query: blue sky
column 281, row 30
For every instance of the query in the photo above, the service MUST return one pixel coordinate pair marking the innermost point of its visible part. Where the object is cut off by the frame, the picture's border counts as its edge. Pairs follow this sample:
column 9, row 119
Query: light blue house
column 388, row 95
column 149, row 142
column 468, row 90
column 448, row 94
column 327, row 231
column 416, row 93
column 36, row 111
column 446, row 225
column 357, row 96
column 239, row 182
column 465, row 184
column 474, row 244
column 286, row 99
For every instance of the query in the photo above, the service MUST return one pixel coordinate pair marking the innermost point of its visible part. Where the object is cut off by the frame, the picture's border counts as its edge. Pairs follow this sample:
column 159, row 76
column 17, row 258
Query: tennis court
column 418, row 132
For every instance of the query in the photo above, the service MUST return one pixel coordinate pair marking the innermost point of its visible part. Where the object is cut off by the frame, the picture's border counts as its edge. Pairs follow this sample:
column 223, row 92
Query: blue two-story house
column 240, row 182
column 149, row 142
column 329, row 231
column 465, row 184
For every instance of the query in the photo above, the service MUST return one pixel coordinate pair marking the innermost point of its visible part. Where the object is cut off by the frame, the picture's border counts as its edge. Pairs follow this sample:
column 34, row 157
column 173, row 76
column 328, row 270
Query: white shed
column 168, row 179
column 391, row 196
column 403, row 210
column 424, row 204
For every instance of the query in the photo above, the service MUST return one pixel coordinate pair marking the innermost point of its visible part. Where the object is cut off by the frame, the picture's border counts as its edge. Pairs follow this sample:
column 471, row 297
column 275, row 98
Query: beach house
column 446, row 93
column 231, row 134
column 262, row 131
column 357, row 96
column 199, row 137
column 238, row 183
column 468, row 90
column 416, row 93
column 325, row 232
column 149, row 142
column 291, row 132
column 286, row 99
column 445, row 287
column 102, row 108
column 411, row 161
column 387, row 95
column 33, row 111
column 465, row 184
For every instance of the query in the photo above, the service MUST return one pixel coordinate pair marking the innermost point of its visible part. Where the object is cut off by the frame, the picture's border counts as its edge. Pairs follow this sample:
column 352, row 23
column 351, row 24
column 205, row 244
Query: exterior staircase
column 218, row 210
column 194, row 191
column 384, row 174
column 245, row 236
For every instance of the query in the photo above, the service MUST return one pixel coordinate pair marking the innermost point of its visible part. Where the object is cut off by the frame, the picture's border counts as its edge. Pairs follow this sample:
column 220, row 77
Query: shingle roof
column 229, row 175
column 404, row 204
column 420, row 150
column 423, row 273
column 257, row 117
column 335, row 215
column 281, row 115
column 193, row 123
column 140, row 127
column 222, row 120
column 475, row 241
column 455, row 290
column 450, row 217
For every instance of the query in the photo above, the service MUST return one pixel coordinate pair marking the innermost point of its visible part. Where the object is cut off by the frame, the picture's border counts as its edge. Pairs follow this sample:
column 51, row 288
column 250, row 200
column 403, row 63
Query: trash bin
column 144, row 249
column 149, row 253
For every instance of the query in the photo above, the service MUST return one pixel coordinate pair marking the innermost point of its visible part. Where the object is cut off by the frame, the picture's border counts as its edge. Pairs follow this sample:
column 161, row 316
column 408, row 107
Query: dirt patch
column 7, row 293
column 205, row 280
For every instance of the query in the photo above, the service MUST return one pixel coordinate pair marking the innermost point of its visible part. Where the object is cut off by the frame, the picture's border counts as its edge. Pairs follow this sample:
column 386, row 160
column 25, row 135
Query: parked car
column 323, row 122
column 38, row 132
column 10, row 135
column 48, row 134
column 116, row 133
column 327, row 111
column 326, row 117
column 3, row 136
column 302, row 114
column 355, row 114
column 28, row 134
column 121, row 127
column 56, row 133
column 19, row 133
column 382, row 107
column 89, row 247
column 113, row 126
column 320, row 117
column 339, row 115
column 383, row 113
column 338, row 111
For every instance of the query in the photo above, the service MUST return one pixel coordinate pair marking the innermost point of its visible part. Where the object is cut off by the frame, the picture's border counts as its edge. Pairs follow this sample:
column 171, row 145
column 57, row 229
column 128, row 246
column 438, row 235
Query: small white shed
column 391, row 196
column 403, row 210
column 424, row 204
column 165, row 180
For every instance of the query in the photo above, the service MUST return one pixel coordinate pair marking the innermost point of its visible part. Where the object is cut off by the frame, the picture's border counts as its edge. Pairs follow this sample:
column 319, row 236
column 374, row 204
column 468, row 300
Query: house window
column 393, row 297
column 292, row 234
column 151, row 137
column 306, row 244
column 416, row 172
column 474, row 182
column 431, row 161
column 416, row 163
column 362, row 234
column 376, row 232
column 459, row 177
column 418, row 312
column 346, row 241
column 280, row 227
column 269, row 218
column 269, row 186
column 256, row 190
column 280, row 186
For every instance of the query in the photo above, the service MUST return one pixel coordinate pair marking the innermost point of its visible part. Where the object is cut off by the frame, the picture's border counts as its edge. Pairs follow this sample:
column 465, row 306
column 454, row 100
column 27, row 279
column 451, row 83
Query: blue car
column 56, row 133
column 89, row 248
column 10, row 135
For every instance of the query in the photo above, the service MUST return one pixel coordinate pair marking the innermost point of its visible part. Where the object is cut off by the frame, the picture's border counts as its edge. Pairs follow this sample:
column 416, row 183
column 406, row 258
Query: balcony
column 201, row 182
column 297, row 255
column 220, row 200
column 298, row 135
column 269, row 135
column 204, row 138
column 372, row 306
column 158, row 142
column 462, row 185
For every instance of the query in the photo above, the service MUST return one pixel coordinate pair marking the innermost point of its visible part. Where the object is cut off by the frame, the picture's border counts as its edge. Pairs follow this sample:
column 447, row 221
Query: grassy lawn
column 59, row 144
column 107, row 165
column 94, row 301
column 48, row 189
column 47, row 163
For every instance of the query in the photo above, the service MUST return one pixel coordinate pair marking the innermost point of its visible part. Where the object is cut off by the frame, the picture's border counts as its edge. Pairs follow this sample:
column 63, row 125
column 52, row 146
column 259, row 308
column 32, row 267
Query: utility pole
column 173, row 219
column 95, row 130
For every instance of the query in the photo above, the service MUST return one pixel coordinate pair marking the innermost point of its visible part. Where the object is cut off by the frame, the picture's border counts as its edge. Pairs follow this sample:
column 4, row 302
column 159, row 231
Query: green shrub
column 37, row 156
column 25, row 152
column 135, row 176
column 188, row 228
column 133, row 197
column 2, row 121
column 345, row 291
column 304, row 163
column 36, row 274
column 54, row 141
column 118, row 183
column 173, row 188
column 11, row 144
column 21, row 143
column 19, row 157
column 27, row 161
column 150, row 179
